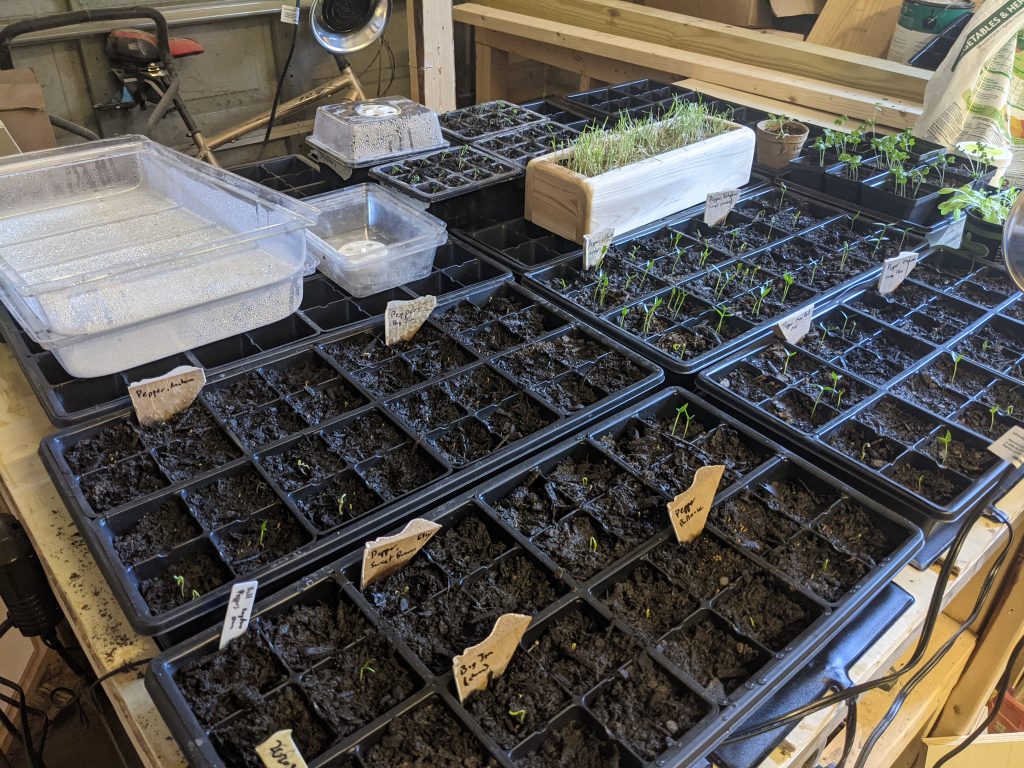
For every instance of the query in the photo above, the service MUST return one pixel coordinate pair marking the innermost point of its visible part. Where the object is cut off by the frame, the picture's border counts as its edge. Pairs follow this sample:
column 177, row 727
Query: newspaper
column 977, row 93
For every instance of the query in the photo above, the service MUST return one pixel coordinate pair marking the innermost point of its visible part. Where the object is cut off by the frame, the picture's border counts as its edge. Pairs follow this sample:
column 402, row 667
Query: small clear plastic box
column 362, row 133
column 119, row 252
column 369, row 240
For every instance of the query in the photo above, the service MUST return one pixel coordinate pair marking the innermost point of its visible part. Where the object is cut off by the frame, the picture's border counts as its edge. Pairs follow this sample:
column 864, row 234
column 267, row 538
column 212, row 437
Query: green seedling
column 300, row 464
column 920, row 485
column 341, row 503
column 821, row 145
column 846, row 321
column 623, row 314
column 992, row 412
column 985, row 345
column 814, row 270
column 680, row 350
column 785, row 365
column 519, row 714
column 564, row 282
column 766, row 288
column 824, row 565
column 956, row 363
column 839, row 398
column 853, row 164
column 723, row 312
column 367, row 667
column 864, row 450
column 796, row 218
column 629, row 280
column 683, row 410
column 593, row 544
column 945, row 440
column 263, row 533
column 853, row 220
column 788, row 279
column 180, row 581
column 881, row 238
column 195, row 594
column 647, row 613
column 782, row 194
column 704, row 256
column 633, row 252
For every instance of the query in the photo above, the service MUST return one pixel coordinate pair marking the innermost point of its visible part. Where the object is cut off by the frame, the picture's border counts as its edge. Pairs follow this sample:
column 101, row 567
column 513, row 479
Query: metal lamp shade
column 347, row 26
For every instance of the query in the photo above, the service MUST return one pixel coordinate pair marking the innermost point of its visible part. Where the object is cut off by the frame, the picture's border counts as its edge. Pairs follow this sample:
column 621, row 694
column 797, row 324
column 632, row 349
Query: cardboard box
column 23, row 110
column 742, row 13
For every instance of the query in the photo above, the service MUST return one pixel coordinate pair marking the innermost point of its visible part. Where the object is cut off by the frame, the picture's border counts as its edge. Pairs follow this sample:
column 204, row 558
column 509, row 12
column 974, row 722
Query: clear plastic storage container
column 369, row 239
column 358, row 134
column 120, row 252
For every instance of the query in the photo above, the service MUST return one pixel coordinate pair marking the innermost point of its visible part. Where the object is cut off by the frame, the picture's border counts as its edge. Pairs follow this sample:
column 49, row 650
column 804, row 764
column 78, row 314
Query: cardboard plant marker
column 158, row 399
column 1010, row 447
column 595, row 246
column 794, row 327
column 236, row 619
column 387, row 554
column 476, row 666
column 895, row 271
column 279, row 751
column 718, row 205
column 403, row 318
column 689, row 510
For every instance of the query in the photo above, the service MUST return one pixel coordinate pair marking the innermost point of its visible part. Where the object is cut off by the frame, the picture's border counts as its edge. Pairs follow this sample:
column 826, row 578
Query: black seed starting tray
column 280, row 465
column 445, row 173
column 482, row 120
column 326, row 307
column 560, row 111
column 885, row 388
column 649, row 650
column 521, row 145
column 687, row 294
column 293, row 175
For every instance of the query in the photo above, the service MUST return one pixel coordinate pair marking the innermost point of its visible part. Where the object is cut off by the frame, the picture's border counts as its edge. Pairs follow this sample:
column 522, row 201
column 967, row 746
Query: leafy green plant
column 788, row 279
column 723, row 312
column 990, row 207
column 821, row 145
column 853, row 164
column 941, row 164
column 766, row 288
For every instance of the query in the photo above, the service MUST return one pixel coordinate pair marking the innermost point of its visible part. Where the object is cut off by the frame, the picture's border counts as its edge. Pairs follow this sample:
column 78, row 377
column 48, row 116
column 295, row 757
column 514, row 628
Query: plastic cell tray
column 560, row 111
column 636, row 98
column 292, row 175
column 669, row 312
column 894, row 358
column 578, row 600
column 326, row 307
column 521, row 145
column 445, row 174
column 482, row 120
column 121, row 251
column 489, row 378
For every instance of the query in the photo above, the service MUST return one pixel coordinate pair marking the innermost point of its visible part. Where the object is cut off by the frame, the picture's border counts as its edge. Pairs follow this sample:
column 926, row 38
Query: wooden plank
column 744, row 46
column 491, row 73
column 858, row 26
column 95, row 617
column 772, row 84
column 773, row 106
column 431, row 53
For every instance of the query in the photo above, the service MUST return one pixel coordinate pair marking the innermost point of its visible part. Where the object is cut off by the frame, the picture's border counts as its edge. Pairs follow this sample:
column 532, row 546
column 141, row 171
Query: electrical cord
column 1004, row 685
column 34, row 757
column 851, row 733
column 280, row 84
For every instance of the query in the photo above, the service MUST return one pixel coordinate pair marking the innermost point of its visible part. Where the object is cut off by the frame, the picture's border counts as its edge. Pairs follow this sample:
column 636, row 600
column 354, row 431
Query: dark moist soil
column 583, row 479
column 426, row 409
column 649, row 602
column 400, row 472
column 531, row 365
column 491, row 338
column 187, row 423
column 296, row 375
column 303, row 463
column 968, row 379
column 195, row 454
column 721, row 661
column 120, row 483
column 156, row 532
column 629, row 510
column 406, row 588
column 924, row 390
column 579, row 652
column 438, row 359
column 286, row 709
column 265, row 537
column 360, row 686
column 230, row 498
column 326, row 401
column 727, row 446
column 646, row 709
column 891, row 418
column 222, row 683
column 940, row 487
column 795, row 499
column 345, row 498
column 359, row 351
column 979, row 418
column 523, row 688
column 574, row 744
column 749, row 521
column 862, row 444
column 705, row 566
column 466, row 546
column 580, row 545
column 388, row 378
column 750, row 384
column 306, row 634
column 240, row 394
column 369, row 435
column 516, row 418
column 528, row 324
column 202, row 572
column 969, row 460
column 478, row 388
column 431, row 734
column 850, row 529
column 258, row 428
column 466, row 441
column 810, row 561
column 614, row 372
column 108, row 446
column 533, row 505
column 570, row 393
column 761, row 607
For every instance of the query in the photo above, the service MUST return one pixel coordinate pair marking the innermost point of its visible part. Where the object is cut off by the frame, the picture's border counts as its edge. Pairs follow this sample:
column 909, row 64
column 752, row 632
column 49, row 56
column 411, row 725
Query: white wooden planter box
column 572, row 205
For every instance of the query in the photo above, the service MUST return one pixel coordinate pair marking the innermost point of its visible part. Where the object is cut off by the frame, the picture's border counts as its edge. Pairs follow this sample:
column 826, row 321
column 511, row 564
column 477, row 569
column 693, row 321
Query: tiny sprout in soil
column 623, row 313
column 956, row 362
column 704, row 256
column 788, row 279
column 846, row 253
column 992, row 412
column 367, row 666
column 945, row 439
column 263, row 532
column 683, row 410
column 766, row 288
column 647, row 270
column 518, row 714
column 180, row 581
column 195, row 594
column 723, row 312
column 341, row 503
column 593, row 544
column 785, row 365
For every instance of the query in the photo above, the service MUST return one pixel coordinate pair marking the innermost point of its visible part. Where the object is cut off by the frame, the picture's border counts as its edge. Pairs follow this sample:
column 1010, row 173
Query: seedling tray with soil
column 687, row 294
column 482, row 120
column 445, row 173
column 522, row 144
column 649, row 650
column 883, row 388
column 558, row 110
column 326, row 445
column 326, row 307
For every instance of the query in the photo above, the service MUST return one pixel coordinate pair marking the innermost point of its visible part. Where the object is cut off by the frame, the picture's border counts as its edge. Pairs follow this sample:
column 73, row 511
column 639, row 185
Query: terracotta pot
column 774, row 151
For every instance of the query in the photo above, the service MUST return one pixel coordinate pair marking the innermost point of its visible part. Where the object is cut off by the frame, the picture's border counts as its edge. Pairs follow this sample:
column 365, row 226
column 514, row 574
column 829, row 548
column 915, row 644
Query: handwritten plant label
column 279, row 751
column 689, row 510
column 595, row 246
column 161, row 397
column 794, row 327
column 718, row 205
column 387, row 554
column 895, row 271
column 1010, row 447
column 479, row 664
column 290, row 14
column 402, row 319
column 236, row 620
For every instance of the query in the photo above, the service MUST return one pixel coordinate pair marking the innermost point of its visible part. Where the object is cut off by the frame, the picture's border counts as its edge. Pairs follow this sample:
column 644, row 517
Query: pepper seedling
column 180, row 581
column 341, row 503
column 623, row 313
column 956, row 363
column 367, row 667
column 704, row 255
column 766, row 288
column 263, row 533
column 723, row 312
column 785, row 365
column 992, row 412
column 593, row 544
column 845, row 254
column 683, row 410
column 518, row 714
column 788, row 279
column 945, row 440
column 195, row 594
column 822, row 389
column 647, row 270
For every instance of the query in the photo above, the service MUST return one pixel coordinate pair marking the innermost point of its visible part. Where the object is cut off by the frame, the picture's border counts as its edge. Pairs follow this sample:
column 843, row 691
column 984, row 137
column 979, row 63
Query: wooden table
column 102, row 630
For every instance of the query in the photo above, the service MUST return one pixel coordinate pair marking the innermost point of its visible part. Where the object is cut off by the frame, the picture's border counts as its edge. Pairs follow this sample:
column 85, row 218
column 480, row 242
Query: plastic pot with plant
column 845, row 180
column 779, row 140
column 986, row 211
column 903, row 194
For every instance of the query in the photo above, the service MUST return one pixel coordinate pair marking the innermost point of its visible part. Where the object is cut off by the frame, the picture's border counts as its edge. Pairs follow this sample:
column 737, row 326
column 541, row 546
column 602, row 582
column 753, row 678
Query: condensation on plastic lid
column 363, row 250
column 377, row 110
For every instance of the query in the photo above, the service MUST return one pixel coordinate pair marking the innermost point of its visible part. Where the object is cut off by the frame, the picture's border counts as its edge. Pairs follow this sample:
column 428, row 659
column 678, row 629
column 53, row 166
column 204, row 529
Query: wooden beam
column 491, row 73
column 772, row 84
column 431, row 53
column 744, row 46
column 861, row 26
